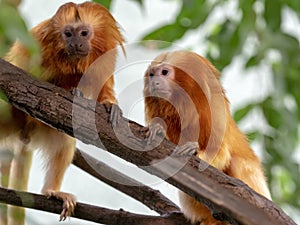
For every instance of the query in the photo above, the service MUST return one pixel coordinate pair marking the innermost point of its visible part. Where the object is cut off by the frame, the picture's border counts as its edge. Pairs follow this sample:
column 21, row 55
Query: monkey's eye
column 68, row 33
column 164, row 72
column 84, row 33
column 151, row 74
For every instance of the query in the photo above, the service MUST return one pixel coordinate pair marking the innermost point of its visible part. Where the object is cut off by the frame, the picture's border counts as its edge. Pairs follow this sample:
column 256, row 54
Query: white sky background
column 135, row 22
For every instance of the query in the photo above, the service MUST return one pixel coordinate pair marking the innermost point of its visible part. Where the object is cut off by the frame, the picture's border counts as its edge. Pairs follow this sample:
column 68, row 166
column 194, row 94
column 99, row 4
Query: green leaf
column 294, row 5
column 140, row 2
column 252, row 135
column 168, row 33
column 229, row 41
column 241, row 113
column 105, row 3
column 287, row 44
column 272, row 14
column 193, row 13
column 252, row 61
column 272, row 116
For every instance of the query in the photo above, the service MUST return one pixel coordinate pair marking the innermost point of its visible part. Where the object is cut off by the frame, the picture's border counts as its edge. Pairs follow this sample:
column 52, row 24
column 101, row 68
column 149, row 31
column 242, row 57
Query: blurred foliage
column 5, row 108
column 12, row 27
column 105, row 3
column 254, row 32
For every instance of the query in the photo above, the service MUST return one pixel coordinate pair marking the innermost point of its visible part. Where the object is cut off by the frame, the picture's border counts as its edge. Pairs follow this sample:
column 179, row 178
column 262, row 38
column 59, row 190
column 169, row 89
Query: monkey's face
column 76, row 36
column 77, row 40
column 158, row 80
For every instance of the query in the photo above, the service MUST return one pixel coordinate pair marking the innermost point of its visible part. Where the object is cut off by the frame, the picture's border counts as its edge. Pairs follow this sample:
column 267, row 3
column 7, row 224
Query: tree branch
column 146, row 195
column 227, row 197
column 85, row 211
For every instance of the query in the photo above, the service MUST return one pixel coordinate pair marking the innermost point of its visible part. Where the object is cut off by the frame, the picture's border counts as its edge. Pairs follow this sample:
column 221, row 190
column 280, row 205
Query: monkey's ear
column 41, row 31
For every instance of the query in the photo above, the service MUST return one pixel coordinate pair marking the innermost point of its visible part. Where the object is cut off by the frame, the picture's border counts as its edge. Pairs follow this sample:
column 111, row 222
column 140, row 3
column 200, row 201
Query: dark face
column 77, row 40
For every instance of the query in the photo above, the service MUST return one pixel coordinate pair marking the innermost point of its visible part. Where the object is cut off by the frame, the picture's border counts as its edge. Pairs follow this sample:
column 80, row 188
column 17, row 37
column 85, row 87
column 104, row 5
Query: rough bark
column 228, row 198
column 85, row 211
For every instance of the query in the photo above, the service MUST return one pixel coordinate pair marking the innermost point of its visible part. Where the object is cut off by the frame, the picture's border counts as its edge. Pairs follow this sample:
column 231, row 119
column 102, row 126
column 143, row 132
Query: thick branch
column 88, row 122
column 149, row 197
column 85, row 211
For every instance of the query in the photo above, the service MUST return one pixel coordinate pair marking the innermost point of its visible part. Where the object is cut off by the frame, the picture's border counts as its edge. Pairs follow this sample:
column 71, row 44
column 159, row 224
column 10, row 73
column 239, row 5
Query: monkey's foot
column 115, row 113
column 188, row 149
column 69, row 203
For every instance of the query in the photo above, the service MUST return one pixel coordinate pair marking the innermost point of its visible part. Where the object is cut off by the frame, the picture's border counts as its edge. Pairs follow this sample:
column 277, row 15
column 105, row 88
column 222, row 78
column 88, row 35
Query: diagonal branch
column 225, row 196
column 146, row 195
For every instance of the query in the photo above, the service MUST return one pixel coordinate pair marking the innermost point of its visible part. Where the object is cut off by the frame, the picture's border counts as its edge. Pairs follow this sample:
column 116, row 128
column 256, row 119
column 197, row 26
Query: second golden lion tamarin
column 180, row 89
column 69, row 43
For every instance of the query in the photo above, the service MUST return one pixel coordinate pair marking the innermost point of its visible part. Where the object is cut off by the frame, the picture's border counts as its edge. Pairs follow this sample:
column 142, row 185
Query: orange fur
column 205, row 119
column 98, row 32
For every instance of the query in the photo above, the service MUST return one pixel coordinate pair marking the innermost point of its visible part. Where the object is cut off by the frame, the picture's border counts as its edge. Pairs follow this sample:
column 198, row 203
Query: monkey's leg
column 197, row 213
column 59, row 158
column 5, row 162
column 249, row 171
column 19, row 175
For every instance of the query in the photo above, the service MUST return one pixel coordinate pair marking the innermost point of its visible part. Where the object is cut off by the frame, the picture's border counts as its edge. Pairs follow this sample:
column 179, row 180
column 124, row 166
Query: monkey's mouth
column 73, row 53
column 77, row 52
column 160, row 93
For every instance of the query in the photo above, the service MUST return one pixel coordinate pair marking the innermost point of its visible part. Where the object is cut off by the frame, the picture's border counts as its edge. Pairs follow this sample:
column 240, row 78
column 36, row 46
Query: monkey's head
column 76, row 36
column 159, row 79
column 176, row 75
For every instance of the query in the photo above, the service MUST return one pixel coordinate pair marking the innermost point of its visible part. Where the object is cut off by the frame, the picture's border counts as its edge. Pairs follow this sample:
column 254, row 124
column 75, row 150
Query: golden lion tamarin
column 69, row 43
column 180, row 89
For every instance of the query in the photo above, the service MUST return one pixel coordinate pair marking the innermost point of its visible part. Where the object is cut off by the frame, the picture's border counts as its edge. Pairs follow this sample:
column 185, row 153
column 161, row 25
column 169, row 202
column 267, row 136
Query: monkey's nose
column 77, row 46
column 156, row 82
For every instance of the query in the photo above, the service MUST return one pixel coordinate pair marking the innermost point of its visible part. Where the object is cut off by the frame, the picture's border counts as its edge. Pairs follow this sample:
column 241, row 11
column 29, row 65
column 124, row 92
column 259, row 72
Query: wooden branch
column 228, row 198
column 146, row 195
column 85, row 211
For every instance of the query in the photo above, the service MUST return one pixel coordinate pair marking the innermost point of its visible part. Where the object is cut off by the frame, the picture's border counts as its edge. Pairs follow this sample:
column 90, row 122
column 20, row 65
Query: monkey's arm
column 19, row 56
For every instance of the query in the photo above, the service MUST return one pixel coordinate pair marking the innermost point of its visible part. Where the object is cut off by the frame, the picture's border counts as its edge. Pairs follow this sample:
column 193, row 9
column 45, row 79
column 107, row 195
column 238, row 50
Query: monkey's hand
column 69, row 203
column 115, row 113
column 155, row 130
column 188, row 149
column 76, row 92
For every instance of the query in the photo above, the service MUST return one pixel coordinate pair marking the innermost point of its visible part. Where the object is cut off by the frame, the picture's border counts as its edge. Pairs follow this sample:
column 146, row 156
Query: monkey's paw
column 69, row 203
column 115, row 113
column 155, row 130
column 76, row 92
column 188, row 149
